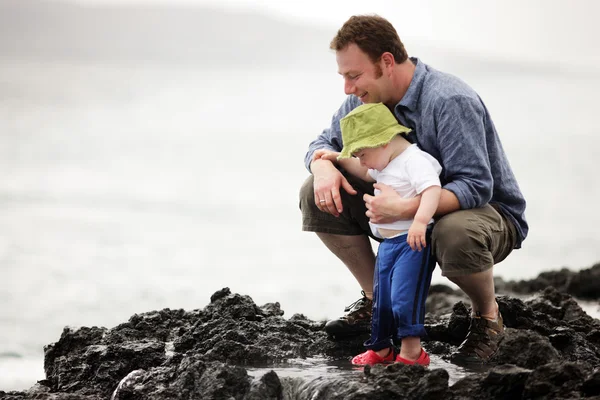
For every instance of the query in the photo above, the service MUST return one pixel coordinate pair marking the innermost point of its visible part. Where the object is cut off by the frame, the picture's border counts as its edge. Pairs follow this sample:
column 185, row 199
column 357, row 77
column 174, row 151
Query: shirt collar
column 410, row 98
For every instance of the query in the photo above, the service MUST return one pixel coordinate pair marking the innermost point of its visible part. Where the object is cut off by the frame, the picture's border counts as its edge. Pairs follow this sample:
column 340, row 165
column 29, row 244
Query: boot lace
column 358, row 303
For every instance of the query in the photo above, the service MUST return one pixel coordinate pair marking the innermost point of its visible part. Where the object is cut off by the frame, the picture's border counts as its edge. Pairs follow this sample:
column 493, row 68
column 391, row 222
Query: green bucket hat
column 367, row 126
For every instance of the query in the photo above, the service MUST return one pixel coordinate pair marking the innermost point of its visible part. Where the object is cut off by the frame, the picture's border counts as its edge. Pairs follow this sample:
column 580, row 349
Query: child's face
column 373, row 158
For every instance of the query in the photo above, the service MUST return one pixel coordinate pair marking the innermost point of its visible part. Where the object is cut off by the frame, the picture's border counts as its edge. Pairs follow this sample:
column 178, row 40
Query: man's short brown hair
column 373, row 34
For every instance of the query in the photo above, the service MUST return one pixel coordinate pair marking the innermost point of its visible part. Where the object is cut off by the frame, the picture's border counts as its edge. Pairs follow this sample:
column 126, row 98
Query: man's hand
column 416, row 236
column 327, row 182
column 388, row 206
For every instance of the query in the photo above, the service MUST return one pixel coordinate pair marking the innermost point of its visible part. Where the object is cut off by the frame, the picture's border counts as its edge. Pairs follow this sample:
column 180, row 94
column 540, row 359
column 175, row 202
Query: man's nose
column 348, row 86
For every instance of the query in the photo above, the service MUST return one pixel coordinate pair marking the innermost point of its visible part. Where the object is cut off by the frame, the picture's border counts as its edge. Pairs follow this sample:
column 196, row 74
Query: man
column 480, row 217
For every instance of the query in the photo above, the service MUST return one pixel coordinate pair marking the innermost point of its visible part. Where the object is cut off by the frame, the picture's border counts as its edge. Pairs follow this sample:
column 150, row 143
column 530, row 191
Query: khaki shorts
column 352, row 221
column 463, row 242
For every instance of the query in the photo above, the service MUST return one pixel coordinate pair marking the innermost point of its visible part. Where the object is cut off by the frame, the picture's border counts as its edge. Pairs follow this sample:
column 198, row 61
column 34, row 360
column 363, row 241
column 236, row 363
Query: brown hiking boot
column 481, row 343
column 356, row 321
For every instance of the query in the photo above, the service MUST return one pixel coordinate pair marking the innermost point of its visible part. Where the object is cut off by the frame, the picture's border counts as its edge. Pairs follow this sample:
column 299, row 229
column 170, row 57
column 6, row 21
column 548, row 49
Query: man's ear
column 387, row 60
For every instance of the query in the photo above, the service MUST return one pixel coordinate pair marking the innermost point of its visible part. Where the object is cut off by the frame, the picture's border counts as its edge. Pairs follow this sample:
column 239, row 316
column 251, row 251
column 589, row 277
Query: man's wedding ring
column 321, row 201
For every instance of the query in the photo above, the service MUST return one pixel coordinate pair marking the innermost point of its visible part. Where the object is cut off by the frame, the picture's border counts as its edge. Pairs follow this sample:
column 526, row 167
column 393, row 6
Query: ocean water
column 129, row 188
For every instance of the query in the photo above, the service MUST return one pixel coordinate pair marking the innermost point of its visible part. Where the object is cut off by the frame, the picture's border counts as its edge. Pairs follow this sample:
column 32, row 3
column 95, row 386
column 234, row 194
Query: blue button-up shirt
column 450, row 122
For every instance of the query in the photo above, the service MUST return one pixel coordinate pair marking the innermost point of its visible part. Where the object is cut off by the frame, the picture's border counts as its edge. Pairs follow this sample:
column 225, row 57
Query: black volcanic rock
column 583, row 284
column 552, row 350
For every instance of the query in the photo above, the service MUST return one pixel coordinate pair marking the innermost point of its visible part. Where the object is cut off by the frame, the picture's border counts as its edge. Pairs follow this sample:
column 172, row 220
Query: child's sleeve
column 422, row 173
column 373, row 174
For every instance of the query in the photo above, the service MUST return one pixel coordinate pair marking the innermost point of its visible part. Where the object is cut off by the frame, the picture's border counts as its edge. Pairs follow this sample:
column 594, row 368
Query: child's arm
column 352, row 165
column 430, row 199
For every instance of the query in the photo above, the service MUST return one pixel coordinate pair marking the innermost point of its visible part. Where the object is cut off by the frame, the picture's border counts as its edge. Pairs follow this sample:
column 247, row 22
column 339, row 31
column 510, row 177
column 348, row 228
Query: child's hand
column 416, row 236
column 326, row 155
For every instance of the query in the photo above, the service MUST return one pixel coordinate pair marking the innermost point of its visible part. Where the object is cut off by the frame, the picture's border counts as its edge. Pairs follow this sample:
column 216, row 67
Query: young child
column 404, row 264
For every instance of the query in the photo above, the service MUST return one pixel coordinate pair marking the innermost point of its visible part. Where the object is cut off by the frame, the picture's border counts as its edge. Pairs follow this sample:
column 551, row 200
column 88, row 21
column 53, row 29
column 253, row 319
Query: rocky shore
column 552, row 351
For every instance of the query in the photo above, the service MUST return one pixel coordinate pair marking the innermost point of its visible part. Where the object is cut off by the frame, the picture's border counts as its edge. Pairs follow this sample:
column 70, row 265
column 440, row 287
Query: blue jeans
column 401, row 284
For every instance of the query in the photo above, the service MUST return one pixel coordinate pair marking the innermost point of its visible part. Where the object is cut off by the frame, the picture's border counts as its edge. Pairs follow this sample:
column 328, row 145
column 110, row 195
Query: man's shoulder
column 439, row 86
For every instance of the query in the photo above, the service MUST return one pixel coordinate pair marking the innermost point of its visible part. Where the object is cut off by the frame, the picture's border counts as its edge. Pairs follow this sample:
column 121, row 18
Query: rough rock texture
column 552, row 351
column 581, row 284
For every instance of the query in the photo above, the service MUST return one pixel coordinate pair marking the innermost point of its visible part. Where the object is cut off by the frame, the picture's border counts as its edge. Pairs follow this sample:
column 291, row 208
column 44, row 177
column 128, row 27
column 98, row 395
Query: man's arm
column 327, row 178
column 388, row 206
column 463, row 151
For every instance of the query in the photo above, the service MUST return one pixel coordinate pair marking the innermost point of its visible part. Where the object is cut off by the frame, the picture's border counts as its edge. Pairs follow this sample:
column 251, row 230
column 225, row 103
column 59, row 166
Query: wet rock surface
column 552, row 350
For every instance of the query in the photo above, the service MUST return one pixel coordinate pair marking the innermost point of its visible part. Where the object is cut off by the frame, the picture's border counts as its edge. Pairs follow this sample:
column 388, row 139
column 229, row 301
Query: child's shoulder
column 414, row 151
column 421, row 158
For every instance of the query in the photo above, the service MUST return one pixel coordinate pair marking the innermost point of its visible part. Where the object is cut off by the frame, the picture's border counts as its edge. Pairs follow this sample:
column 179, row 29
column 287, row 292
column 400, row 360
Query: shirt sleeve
column 463, row 150
column 373, row 173
column 421, row 173
column 331, row 137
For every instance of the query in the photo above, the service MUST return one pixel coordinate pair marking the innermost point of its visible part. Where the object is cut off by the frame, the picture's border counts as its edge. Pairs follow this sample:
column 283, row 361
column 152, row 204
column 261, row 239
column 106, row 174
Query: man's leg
column 467, row 244
column 357, row 255
column 479, row 286
column 346, row 236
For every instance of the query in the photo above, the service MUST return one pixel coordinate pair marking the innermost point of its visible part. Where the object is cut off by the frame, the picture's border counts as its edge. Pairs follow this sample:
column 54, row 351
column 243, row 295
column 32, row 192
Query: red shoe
column 422, row 360
column 369, row 357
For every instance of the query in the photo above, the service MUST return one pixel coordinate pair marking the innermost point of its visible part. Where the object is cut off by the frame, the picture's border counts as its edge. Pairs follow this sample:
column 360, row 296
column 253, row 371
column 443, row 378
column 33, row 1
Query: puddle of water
column 320, row 367
column 308, row 369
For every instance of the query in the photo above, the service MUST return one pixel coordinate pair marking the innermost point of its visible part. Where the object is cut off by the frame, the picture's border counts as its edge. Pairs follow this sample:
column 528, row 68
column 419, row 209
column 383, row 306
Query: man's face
column 362, row 77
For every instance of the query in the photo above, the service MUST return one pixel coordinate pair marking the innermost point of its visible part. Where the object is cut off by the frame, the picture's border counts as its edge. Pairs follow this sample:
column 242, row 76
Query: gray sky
column 537, row 30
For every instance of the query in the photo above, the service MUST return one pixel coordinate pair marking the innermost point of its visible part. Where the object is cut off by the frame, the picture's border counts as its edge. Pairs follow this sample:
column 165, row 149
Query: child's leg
column 411, row 277
column 379, row 346
column 382, row 323
column 410, row 348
